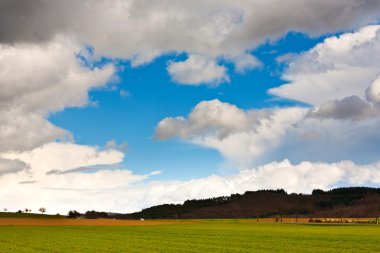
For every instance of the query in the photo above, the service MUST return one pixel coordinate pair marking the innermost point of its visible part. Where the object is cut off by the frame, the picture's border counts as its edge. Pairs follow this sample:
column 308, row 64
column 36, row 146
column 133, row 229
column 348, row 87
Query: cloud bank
column 141, row 31
column 119, row 190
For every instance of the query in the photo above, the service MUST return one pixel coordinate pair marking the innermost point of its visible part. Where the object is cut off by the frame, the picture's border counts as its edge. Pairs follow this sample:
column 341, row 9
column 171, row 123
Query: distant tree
column 317, row 192
column 74, row 214
column 26, row 210
column 42, row 210
column 19, row 211
column 91, row 215
column 5, row 210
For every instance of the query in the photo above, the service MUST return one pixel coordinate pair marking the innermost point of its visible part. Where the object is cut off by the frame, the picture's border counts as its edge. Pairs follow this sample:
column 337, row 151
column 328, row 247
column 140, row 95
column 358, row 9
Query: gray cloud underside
column 140, row 28
column 11, row 165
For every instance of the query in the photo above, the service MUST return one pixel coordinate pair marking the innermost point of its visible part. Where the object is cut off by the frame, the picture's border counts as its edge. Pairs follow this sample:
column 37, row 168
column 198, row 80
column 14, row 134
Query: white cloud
column 339, row 77
column 239, row 135
column 60, row 157
column 286, row 58
column 337, row 68
column 196, row 70
column 246, row 62
column 338, row 130
column 37, row 80
column 330, row 140
column 208, row 27
column 111, row 144
column 38, row 176
column 125, row 93
column 140, row 31
column 373, row 92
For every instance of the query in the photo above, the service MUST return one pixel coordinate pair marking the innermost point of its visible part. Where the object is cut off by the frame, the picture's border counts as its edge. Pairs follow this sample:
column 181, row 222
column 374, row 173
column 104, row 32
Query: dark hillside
column 340, row 202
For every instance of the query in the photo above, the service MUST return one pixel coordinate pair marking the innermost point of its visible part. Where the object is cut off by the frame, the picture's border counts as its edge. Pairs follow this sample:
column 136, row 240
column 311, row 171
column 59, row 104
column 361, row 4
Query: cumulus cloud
column 245, row 62
column 338, row 67
column 212, row 28
column 196, row 70
column 338, row 130
column 37, row 80
column 39, row 175
column 329, row 140
column 111, row 144
column 238, row 134
column 204, row 26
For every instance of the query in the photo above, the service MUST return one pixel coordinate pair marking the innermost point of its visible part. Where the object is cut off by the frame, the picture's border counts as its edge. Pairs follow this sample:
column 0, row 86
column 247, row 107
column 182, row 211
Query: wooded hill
column 352, row 202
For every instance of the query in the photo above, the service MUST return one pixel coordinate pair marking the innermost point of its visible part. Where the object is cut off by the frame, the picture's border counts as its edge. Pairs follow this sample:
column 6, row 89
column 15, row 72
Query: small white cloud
column 111, row 144
column 245, row 62
column 285, row 58
column 125, row 93
column 197, row 70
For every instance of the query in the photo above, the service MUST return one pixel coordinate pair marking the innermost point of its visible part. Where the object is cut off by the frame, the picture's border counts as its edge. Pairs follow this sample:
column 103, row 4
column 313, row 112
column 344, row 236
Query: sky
column 121, row 105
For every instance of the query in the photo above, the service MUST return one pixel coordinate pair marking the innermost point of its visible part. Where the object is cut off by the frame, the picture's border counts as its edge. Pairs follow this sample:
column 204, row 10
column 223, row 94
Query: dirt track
column 83, row 222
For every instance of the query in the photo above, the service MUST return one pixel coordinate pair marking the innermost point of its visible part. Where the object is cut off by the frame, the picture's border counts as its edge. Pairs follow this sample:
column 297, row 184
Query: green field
column 205, row 236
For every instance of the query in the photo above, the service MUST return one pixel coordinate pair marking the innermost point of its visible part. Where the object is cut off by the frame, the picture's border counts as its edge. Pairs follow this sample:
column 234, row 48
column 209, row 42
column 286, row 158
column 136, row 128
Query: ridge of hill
column 340, row 202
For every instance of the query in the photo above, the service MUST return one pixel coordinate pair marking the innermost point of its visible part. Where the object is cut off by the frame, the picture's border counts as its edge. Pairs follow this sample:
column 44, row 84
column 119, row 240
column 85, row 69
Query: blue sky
column 121, row 105
column 154, row 96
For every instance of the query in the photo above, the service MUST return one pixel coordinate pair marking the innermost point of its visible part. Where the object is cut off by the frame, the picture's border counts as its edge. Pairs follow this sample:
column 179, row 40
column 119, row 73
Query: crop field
column 186, row 236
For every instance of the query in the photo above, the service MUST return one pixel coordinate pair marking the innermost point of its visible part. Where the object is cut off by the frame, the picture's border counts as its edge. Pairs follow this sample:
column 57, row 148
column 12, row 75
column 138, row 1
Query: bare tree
column 42, row 209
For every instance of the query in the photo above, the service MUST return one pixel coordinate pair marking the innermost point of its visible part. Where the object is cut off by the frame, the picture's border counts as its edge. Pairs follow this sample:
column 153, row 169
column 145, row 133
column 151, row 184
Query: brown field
column 111, row 222
column 85, row 222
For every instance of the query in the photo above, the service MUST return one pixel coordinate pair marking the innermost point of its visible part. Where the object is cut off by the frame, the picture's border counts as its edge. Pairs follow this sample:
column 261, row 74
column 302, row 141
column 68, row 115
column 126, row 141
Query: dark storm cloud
column 39, row 20
column 34, row 20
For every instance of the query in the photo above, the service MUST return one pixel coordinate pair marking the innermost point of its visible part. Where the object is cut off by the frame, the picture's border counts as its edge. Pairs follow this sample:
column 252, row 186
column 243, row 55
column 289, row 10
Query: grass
column 205, row 236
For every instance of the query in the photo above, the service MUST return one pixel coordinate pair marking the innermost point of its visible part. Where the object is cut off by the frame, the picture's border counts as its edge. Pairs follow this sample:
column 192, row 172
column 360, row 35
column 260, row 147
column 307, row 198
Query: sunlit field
column 192, row 236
